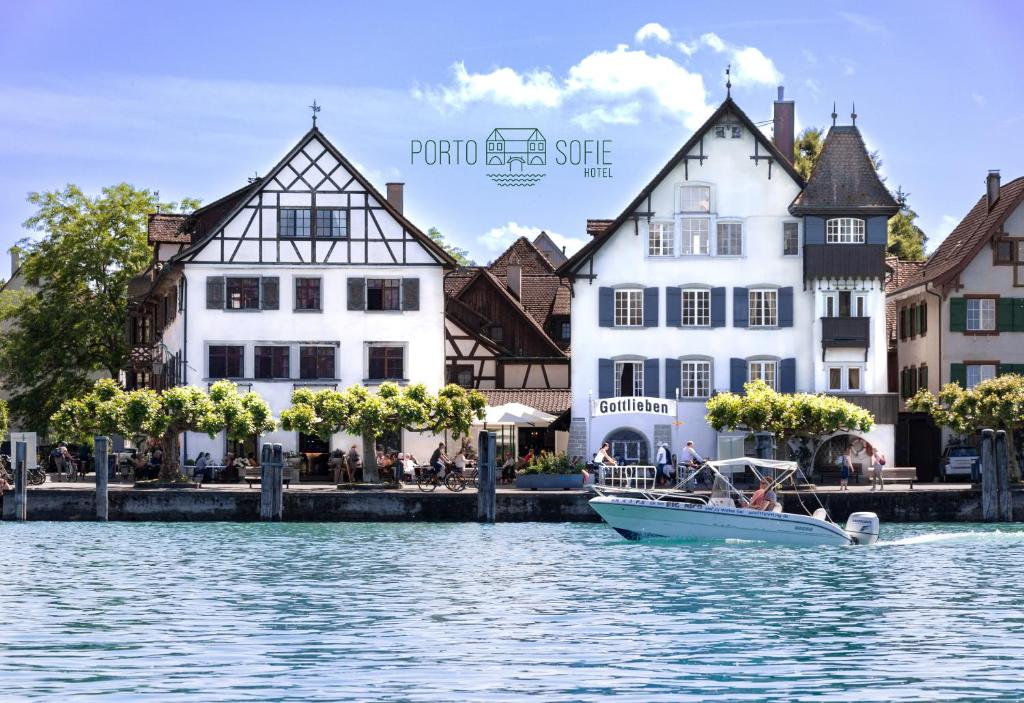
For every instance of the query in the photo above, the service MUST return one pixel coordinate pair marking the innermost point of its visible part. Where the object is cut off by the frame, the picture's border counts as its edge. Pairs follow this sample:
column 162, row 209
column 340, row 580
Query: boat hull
column 640, row 518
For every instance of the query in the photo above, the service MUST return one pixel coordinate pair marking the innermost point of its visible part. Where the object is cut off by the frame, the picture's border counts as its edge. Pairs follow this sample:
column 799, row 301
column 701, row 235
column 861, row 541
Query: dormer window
column 844, row 230
column 728, row 130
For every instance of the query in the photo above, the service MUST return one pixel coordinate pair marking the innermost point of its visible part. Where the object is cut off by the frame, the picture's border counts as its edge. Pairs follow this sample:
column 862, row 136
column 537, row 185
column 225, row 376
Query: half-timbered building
column 308, row 276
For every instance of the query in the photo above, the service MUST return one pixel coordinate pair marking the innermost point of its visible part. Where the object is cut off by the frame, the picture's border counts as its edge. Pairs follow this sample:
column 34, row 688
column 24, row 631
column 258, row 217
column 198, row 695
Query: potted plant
column 552, row 472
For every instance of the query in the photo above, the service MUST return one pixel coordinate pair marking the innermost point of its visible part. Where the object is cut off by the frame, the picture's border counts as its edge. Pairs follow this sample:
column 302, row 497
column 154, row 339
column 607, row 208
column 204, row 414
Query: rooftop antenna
column 254, row 177
column 834, row 115
column 315, row 108
column 728, row 81
column 853, row 115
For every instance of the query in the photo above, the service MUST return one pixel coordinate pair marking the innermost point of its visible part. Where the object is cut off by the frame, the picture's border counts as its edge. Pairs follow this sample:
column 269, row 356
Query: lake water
column 463, row 612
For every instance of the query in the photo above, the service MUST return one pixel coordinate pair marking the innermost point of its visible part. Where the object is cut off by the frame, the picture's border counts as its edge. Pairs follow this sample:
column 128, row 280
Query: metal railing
column 634, row 476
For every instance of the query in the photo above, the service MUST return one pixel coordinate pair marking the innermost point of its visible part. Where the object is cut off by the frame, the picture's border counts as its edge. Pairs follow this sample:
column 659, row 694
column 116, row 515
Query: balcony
column 845, row 332
column 884, row 406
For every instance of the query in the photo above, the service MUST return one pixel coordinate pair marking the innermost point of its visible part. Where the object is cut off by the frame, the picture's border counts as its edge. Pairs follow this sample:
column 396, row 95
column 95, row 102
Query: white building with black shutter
column 702, row 283
column 306, row 277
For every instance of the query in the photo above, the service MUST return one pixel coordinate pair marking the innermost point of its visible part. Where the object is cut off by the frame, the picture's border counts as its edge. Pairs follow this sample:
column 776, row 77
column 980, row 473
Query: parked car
column 960, row 462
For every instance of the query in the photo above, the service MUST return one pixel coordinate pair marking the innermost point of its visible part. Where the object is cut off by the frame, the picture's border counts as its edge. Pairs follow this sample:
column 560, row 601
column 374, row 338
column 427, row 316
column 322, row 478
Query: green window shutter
column 915, row 321
column 922, row 311
column 1018, row 314
column 958, row 316
column 1004, row 314
column 922, row 377
column 958, row 374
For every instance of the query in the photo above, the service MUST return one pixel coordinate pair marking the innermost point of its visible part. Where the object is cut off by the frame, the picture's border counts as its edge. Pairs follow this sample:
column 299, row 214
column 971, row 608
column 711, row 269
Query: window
column 835, row 378
column 735, row 132
column 695, row 235
column 695, row 379
column 566, row 331
column 225, row 361
column 629, row 378
column 461, row 375
column 316, row 362
column 853, row 379
column 243, row 293
column 720, row 131
column 271, row 362
column 307, row 293
column 764, row 370
column 764, row 307
column 385, row 363
column 331, row 223
column 695, row 199
column 1002, row 252
column 498, row 333
column 790, row 239
column 976, row 373
column 981, row 314
column 845, row 378
column 844, row 230
column 845, row 303
column 696, row 308
column 383, row 294
column 730, row 239
column 629, row 308
column 293, row 222
column 661, row 239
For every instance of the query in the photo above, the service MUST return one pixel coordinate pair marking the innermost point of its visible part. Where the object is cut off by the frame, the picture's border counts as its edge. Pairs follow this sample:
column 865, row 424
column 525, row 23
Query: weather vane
column 315, row 108
column 728, row 81
column 834, row 115
column 853, row 114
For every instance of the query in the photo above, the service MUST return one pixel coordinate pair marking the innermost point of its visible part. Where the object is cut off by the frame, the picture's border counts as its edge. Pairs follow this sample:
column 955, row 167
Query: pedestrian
column 877, row 463
column 353, row 464
column 661, row 461
column 845, row 469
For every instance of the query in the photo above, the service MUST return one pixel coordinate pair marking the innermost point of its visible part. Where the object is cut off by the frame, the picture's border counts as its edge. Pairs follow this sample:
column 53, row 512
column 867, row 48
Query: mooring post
column 486, row 496
column 20, row 483
column 989, row 481
column 271, row 497
column 100, row 448
column 1002, row 461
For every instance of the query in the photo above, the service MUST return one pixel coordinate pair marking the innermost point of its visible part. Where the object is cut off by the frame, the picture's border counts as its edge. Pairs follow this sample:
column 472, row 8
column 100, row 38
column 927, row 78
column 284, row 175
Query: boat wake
column 967, row 536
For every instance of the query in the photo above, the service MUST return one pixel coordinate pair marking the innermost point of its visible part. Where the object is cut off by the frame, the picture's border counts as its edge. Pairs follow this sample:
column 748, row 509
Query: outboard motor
column 862, row 528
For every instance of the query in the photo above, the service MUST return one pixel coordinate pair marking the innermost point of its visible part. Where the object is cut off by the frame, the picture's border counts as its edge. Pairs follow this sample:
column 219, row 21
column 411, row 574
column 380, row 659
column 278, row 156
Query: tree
column 906, row 239
column 107, row 409
column 806, row 151
column 73, row 324
column 5, row 418
column 997, row 404
column 358, row 412
column 461, row 256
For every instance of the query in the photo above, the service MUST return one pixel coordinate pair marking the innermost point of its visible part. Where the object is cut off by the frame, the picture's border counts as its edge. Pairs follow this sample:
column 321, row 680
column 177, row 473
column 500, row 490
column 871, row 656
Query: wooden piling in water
column 1002, row 462
column 271, row 483
column 100, row 450
column 989, row 481
column 20, row 483
column 486, row 497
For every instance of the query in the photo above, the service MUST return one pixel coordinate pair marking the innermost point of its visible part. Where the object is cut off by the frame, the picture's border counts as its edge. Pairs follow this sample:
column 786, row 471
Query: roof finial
column 728, row 81
column 254, row 177
column 315, row 108
column 834, row 115
column 853, row 115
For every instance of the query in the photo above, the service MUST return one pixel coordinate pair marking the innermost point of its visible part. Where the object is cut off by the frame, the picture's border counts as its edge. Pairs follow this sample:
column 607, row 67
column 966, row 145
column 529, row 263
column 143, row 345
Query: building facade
column 725, row 268
column 307, row 277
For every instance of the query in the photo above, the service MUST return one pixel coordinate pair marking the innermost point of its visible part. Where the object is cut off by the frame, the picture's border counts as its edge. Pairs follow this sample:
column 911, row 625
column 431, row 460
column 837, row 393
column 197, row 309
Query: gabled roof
column 521, row 309
column 844, row 179
column 239, row 198
column 902, row 271
column 727, row 107
column 167, row 228
column 527, row 255
column 549, row 249
column 968, row 238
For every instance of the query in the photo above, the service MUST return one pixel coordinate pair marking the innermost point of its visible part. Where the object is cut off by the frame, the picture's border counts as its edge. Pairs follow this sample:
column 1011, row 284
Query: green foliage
column 358, row 412
column 762, row 409
column 906, row 239
column 5, row 418
column 806, row 150
column 73, row 324
column 461, row 256
column 545, row 463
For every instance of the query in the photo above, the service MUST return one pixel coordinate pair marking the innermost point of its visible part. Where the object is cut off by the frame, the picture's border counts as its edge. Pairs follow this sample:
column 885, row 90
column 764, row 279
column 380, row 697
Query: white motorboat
column 639, row 511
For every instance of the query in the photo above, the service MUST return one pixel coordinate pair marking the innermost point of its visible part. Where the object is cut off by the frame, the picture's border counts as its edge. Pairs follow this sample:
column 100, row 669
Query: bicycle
column 430, row 480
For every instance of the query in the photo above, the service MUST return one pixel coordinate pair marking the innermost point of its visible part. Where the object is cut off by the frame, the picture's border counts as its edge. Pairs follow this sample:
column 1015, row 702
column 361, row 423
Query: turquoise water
column 340, row 612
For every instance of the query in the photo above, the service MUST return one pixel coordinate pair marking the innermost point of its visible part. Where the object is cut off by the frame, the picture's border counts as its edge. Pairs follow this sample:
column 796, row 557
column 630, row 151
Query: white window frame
column 798, row 238
column 845, row 230
column 638, row 376
column 700, row 380
column 366, row 362
column 688, row 237
column 630, row 317
column 665, row 238
column 982, row 372
column 758, row 300
column 718, row 236
column 686, row 188
column 701, row 304
column 984, row 315
column 844, row 378
column 764, row 369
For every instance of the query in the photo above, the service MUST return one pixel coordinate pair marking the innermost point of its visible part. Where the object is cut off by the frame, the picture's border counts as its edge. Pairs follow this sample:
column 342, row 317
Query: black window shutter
column 673, row 306
column 786, row 306
column 606, row 307
column 357, row 294
column 737, row 374
column 270, row 297
column 650, row 307
column 718, row 307
column 787, row 376
column 651, row 380
column 214, row 292
column 673, row 378
column 410, row 294
column 740, row 308
column 605, row 378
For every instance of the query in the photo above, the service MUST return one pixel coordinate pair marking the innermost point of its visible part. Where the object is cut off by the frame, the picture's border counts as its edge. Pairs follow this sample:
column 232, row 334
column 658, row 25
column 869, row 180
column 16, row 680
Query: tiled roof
column 529, row 257
column 596, row 227
column 967, row 238
column 455, row 281
column 844, row 178
column 166, row 228
column 554, row 401
column 549, row 249
column 902, row 271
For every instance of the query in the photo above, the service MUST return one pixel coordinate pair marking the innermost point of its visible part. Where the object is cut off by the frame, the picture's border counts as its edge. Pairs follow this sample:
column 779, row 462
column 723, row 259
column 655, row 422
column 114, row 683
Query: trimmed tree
column 997, row 404
column 358, row 412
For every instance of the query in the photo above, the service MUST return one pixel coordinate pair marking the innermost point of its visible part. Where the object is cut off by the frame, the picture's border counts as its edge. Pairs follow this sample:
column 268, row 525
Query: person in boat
column 760, row 501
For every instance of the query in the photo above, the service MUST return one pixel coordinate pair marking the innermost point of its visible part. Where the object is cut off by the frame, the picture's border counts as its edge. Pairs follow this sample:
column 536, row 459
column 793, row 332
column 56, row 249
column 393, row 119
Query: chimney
column 992, row 188
column 15, row 259
column 396, row 195
column 514, row 278
column 783, row 119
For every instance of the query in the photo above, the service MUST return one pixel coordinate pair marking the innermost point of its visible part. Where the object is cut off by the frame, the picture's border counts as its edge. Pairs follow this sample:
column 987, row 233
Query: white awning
column 515, row 414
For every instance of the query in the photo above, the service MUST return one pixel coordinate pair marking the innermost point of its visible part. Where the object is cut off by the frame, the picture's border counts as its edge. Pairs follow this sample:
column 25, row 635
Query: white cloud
column 497, row 239
column 628, row 113
column 653, row 30
column 941, row 231
column 503, row 86
column 713, row 41
column 813, row 86
column 809, row 56
column 688, row 48
column 749, row 64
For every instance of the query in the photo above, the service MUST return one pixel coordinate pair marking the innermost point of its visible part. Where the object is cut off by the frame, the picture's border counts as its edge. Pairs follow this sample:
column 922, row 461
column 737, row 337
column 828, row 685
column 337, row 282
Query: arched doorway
column 826, row 457
column 629, row 446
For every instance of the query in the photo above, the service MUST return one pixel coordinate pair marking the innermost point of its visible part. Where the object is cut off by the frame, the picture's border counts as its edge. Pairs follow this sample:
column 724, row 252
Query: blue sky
column 193, row 97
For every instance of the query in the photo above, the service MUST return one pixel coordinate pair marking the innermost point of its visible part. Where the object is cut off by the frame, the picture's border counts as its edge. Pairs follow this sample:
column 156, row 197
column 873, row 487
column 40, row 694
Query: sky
column 192, row 98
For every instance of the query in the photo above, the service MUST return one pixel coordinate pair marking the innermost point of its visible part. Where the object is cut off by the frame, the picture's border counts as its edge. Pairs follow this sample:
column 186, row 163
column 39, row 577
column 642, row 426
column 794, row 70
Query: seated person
column 508, row 469
column 760, row 500
column 439, row 460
